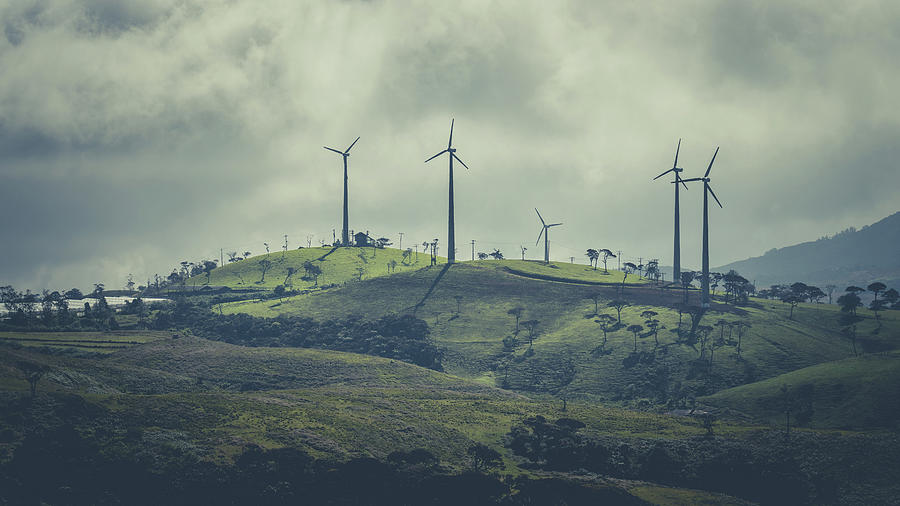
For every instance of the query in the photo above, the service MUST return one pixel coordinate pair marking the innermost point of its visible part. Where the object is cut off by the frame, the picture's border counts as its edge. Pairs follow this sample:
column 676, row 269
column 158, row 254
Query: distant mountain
column 858, row 257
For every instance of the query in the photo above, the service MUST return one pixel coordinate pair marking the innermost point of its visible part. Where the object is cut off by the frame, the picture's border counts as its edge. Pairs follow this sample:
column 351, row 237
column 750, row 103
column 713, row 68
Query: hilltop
column 850, row 257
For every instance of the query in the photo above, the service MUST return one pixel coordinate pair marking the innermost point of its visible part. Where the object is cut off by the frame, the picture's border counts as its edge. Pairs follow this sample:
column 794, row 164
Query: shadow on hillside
column 332, row 250
column 434, row 284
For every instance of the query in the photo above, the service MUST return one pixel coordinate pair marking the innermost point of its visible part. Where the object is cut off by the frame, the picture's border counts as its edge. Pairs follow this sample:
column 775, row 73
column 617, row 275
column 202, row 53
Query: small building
column 362, row 239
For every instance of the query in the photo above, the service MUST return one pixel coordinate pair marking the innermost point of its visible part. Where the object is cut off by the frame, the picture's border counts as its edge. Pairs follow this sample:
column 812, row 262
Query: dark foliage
column 401, row 337
column 761, row 467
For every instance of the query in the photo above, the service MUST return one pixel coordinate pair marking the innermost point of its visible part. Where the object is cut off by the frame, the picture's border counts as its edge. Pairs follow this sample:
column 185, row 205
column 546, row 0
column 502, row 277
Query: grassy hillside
column 221, row 397
column 97, row 342
column 484, row 292
column 854, row 393
column 338, row 265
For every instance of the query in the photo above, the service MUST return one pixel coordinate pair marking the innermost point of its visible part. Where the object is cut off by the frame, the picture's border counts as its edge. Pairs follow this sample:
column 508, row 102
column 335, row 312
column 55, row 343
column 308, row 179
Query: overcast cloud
column 134, row 135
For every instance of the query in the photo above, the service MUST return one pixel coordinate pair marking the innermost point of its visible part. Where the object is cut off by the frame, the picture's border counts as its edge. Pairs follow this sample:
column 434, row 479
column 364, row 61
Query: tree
column 73, row 294
column 635, row 329
column 892, row 296
column 279, row 292
column 652, row 270
column 531, row 325
column 618, row 305
column 742, row 326
column 264, row 266
column 687, row 277
column 715, row 278
column 524, row 249
column 33, row 373
column 232, row 257
column 876, row 288
column 605, row 255
column 483, row 457
column 392, row 265
column 593, row 255
column 497, row 255
column 793, row 299
column 246, row 254
column 653, row 324
column 606, row 323
column 516, row 312
column 208, row 266
column 313, row 271
column 129, row 283
column 849, row 302
column 877, row 305
column 595, row 296
column 482, row 255
column 289, row 271
column 562, row 378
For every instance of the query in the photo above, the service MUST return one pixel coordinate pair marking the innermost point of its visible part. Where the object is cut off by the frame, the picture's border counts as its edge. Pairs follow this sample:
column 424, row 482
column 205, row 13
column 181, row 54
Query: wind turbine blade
column 351, row 146
column 677, row 179
column 539, row 216
column 663, row 174
column 539, row 236
column 708, row 187
column 435, row 156
column 553, row 225
column 450, row 142
column 676, row 154
column 692, row 179
column 336, row 151
column 460, row 161
column 711, row 162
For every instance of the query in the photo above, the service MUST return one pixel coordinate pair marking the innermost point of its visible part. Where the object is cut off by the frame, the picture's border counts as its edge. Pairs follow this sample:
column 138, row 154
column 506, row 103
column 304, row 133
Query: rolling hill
column 467, row 308
column 851, row 257
column 855, row 394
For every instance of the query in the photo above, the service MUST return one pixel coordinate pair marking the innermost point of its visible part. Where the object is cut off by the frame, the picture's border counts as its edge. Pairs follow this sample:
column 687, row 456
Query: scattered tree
column 264, row 266
column 687, row 277
column 483, row 457
column 482, row 255
column 635, row 329
column 595, row 296
column 497, row 255
column 618, row 305
column 313, row 271
column 605, row 255
column 593, row 255
column 531, row 325
column 33, row 373
column 516, row 312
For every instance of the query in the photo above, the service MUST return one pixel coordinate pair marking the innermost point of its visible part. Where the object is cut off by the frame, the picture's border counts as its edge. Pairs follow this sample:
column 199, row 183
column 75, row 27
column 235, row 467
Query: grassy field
column 467, row 309
column 98, row 342
column 855, row 393
column 338, row 265
column 224, row 397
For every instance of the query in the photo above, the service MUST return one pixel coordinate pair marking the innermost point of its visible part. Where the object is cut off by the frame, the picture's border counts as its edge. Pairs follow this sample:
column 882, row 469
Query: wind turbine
column 451, row 229
column 345, row 231
column 545, row 231
column 707, row 190
column 676, row 262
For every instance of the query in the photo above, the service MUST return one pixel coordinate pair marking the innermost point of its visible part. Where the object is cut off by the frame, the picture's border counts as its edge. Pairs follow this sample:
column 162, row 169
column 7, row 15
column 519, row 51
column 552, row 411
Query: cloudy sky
column 134, row 135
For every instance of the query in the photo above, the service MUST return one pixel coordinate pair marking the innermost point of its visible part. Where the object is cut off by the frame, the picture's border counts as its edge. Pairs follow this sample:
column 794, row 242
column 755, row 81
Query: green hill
column 338, row 265
column 467, row 307
column 856, row 393
column 221, row 398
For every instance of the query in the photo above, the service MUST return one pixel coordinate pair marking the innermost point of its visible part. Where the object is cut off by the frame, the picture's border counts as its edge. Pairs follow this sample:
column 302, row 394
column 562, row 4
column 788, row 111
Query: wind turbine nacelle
column 451, row 150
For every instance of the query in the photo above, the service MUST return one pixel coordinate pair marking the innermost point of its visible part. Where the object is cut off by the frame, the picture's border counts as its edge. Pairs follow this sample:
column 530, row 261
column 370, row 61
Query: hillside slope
column 851, row 257
column 856, row 393
column 467, row 309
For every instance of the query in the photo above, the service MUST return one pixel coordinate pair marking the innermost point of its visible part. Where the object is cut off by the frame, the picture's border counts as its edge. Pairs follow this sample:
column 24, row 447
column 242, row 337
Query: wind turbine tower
column 676, row 257
column 451, row 228
column 707, row 190
column 545, row 231
column 345, row 231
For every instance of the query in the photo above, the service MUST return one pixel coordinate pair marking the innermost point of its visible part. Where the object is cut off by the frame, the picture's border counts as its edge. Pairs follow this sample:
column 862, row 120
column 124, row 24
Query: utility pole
column 571, row 260
column 400, row 244
column 619, row 260
column 221, row 258
column 473, row 249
